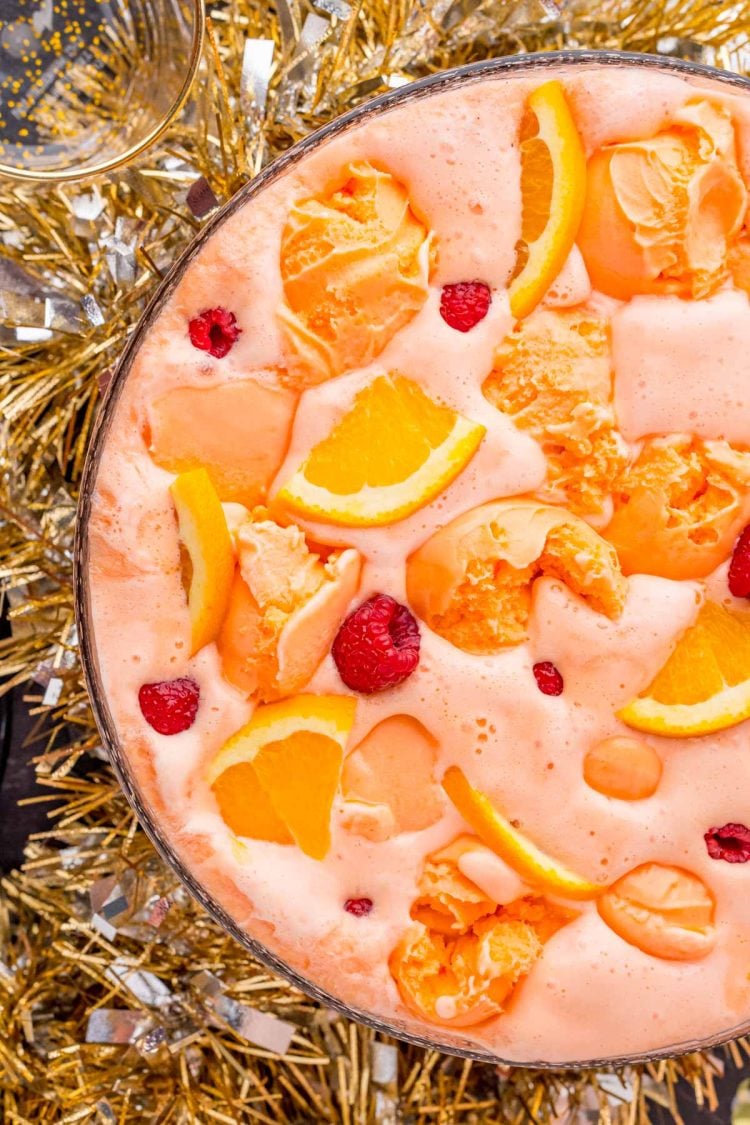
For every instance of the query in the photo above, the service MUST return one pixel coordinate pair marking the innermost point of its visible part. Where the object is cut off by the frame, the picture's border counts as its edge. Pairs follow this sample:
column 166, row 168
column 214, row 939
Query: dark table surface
column 17, row 782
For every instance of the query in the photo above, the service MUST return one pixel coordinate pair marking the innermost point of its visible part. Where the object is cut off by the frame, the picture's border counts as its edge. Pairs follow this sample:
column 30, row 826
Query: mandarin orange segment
column 497, row 832
column 246, row 807
column 300, row 774
column 704, row 685
column 295, row 748
column 394, row 451
column 204, row 534
column 664, row 911
column 553, row 186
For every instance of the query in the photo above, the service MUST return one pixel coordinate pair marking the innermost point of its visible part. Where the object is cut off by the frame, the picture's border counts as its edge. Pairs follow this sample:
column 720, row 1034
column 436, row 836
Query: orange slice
column 553, row 192
column 276, row 778
column 705, row 684
column 531, row 863
column 204, row 534
column 394, row 451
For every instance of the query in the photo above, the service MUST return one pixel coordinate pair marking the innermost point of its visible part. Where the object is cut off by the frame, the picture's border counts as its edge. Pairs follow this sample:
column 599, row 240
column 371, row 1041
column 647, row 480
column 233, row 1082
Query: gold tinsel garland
column 120, row 1000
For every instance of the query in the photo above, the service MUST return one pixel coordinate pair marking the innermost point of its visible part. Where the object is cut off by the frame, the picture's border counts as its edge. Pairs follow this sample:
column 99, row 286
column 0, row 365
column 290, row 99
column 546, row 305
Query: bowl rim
column 504, row 66
column 98, row 167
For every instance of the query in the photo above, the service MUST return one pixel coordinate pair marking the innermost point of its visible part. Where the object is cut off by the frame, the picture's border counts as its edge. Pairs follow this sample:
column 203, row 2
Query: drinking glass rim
column 450, row 78
column 88, row 171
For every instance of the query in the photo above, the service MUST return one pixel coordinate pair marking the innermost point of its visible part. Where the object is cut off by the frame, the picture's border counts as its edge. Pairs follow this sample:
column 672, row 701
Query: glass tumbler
column 85, row 85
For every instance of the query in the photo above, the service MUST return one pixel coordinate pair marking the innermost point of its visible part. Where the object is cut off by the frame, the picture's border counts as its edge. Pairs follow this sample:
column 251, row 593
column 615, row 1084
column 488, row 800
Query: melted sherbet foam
column 679, row 367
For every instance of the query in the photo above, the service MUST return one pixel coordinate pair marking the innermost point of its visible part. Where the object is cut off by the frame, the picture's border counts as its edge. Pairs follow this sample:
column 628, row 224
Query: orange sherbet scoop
column 463, row 982
column 553, row 375
column 471, row 581
column 679, row 507
column 285, row 606
column 461, row 960
column 389, row 780
column 622, row 767
column 661, row 214
column 354, row 265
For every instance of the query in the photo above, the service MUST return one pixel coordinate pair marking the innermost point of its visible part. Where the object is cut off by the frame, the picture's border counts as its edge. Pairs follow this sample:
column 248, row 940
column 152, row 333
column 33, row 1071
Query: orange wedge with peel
column 290, row 755
column 204, row 534
column 704, row 685
column 394, row 451
column 553, row 193
column 496, row 831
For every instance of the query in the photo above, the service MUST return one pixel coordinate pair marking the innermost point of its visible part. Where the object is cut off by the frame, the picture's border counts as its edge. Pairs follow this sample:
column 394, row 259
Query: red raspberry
column 731, row 843
column 548, row 679
column 170, row 706
column 739, row 567
column 464, row 304
column 359, row 907
column 214, row 331
column 377, row 646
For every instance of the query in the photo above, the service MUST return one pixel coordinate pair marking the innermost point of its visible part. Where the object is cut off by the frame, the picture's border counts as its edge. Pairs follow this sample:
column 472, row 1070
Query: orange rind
column 498, row 833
